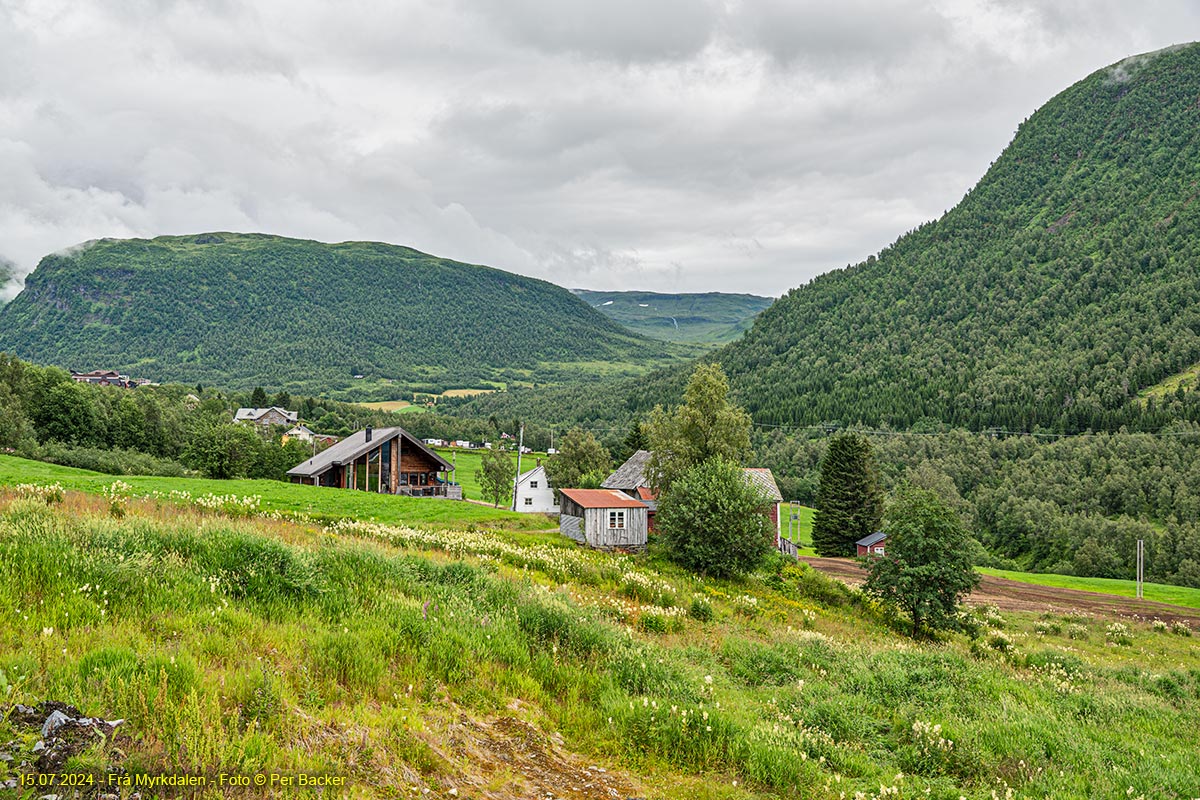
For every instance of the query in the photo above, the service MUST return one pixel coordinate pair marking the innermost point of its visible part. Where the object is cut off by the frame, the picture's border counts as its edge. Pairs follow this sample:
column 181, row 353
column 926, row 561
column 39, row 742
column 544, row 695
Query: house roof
column 601, row 498
column 524, row 476
column 298, row 429
column 252, row 414
column 631, row 474
column 354, row 446
column 631, row 477
column 646, row 494
column 874, row 538
column 765, row 480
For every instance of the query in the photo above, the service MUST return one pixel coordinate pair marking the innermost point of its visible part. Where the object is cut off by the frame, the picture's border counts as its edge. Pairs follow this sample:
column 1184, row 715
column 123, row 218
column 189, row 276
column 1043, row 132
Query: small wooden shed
column 872, row 545
column 603, row 518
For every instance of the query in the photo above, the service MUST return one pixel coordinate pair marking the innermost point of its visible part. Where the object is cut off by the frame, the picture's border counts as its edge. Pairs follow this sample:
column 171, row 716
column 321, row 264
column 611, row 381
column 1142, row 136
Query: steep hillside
column 1063, row 283
column 702, row 318
column 420, row 662
column 243, row 309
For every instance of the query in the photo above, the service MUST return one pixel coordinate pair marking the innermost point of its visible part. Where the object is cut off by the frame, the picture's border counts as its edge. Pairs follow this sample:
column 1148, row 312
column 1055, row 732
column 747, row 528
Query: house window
column 616, row 519
column 528, row 501
column 533, row 484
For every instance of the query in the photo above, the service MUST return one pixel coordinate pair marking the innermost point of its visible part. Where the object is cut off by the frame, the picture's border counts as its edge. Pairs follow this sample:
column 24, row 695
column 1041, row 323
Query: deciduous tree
column 495, row 474
column 706, row 426
column 579, row 455
column 927, row 570
column 711, row 520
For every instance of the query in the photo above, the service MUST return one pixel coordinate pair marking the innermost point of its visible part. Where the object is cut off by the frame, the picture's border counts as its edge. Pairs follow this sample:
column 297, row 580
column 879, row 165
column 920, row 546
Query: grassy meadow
column 800, row 528
column 468, row 462
column 286, row 498
column 410, row 660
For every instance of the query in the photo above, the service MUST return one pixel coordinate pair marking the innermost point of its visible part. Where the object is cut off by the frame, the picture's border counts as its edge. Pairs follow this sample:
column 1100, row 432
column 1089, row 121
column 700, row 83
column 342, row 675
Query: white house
column 301, row 432
column 533, row 492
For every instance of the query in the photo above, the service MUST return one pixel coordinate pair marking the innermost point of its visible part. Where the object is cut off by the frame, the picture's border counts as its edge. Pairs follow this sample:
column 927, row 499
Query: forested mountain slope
column 703, row 317
column 238, row 310
column 1064, row 282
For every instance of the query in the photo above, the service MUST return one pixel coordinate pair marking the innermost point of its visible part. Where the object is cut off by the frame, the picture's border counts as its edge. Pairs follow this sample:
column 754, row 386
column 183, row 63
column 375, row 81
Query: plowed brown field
column 1016, row 596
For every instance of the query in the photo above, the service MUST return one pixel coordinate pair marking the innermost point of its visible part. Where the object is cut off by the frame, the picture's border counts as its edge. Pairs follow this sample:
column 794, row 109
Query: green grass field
column 414, row 663
column 800, row 528
column 323, row 503
column 1158, row 592
column 468, row 462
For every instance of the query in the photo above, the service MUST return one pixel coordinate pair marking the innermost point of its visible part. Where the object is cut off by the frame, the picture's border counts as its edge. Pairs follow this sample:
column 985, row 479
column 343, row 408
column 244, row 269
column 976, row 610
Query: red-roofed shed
column 603, row 518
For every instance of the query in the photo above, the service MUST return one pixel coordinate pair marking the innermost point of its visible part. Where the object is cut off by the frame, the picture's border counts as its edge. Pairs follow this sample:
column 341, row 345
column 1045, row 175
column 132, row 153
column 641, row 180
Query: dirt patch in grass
column 507, row 757
column 1016, row 596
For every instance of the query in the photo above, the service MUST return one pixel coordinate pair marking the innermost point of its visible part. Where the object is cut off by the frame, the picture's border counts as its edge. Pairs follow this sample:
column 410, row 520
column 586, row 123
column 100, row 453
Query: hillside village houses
column 265, row 417
column 384, row 460
column 109, row 377
column 533, row 493
column 299, row 432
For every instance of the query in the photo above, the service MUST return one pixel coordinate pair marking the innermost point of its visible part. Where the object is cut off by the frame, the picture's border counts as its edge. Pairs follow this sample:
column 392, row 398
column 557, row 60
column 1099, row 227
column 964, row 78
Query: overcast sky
column 677, row 145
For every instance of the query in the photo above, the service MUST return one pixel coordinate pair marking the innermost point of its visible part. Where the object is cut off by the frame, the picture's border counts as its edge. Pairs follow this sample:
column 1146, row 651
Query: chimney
column 369, row 432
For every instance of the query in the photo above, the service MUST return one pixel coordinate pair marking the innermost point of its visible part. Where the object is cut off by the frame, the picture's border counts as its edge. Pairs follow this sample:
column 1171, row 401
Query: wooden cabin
column 387, row 460
column 603, row 518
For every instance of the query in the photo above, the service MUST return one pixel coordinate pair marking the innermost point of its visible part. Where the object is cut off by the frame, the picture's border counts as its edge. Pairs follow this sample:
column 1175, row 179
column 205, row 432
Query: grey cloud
column 738, row 145
column 621, row 30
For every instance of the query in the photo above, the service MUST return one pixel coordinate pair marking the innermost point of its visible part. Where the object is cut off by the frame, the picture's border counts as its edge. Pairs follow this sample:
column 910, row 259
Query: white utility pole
column 520, row 446
column 1141, row 565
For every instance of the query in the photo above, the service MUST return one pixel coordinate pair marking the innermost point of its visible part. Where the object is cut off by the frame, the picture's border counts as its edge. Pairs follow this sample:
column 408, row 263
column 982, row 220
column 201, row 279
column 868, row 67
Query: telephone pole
column 520, row 447
column 1141, row 565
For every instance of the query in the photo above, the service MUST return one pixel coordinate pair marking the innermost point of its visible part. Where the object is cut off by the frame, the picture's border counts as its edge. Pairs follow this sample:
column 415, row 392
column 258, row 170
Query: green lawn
column 801, row 527
column 319, row 502
column 1158, row 592
column 467, row 463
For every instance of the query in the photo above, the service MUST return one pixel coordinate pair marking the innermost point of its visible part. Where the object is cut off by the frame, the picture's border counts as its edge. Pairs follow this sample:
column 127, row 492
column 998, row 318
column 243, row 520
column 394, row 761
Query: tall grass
column 234, row 644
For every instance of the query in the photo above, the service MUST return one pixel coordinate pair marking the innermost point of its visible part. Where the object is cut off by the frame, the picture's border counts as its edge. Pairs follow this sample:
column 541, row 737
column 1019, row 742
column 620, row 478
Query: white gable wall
column 536, row 499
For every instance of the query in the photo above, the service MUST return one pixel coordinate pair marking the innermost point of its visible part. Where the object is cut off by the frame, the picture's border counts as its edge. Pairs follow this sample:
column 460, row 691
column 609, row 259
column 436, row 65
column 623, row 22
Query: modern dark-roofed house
column 872, row 545
column 603, row 518
column 388, row 460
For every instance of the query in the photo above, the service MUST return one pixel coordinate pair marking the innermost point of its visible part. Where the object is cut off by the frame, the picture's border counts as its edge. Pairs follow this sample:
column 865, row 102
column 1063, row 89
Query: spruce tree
column 849, row 504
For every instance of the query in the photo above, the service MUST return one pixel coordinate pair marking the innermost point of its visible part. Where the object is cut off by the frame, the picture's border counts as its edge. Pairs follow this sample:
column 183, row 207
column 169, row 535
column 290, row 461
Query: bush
column 114, row 461
column 712, row 522
column 701, row 609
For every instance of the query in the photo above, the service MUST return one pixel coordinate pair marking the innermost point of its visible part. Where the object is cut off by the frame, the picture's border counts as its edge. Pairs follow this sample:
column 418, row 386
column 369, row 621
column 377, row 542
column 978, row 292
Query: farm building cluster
column 617, row 516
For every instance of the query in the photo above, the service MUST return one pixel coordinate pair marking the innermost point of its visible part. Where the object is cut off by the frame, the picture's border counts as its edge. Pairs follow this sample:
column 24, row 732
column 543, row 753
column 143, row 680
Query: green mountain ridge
column 238, row 310
column 1063, row 283
column 699, row 318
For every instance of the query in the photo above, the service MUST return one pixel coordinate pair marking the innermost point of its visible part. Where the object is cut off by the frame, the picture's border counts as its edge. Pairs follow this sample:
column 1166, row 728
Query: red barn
column 872, row 545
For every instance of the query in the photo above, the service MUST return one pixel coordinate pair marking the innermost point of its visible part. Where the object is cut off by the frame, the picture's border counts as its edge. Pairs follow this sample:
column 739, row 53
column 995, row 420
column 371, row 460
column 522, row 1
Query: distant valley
column 699, row 318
